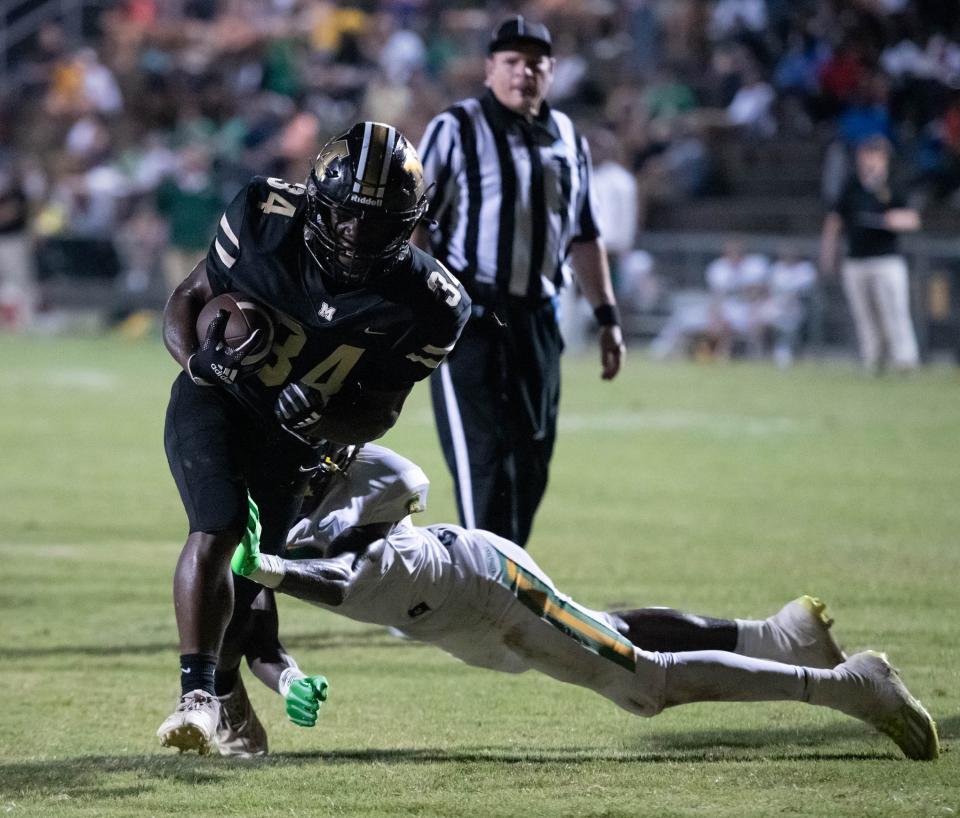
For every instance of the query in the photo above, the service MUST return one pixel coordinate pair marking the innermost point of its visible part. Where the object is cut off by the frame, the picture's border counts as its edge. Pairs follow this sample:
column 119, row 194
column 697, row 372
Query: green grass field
column 723, row 489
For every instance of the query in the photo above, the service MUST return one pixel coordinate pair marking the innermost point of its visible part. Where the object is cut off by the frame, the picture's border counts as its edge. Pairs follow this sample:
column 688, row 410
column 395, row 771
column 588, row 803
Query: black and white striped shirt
column 510, row 197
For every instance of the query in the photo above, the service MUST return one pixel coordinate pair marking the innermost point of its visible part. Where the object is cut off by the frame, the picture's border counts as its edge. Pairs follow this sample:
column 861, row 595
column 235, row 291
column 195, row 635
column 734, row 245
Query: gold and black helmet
column 365, row 195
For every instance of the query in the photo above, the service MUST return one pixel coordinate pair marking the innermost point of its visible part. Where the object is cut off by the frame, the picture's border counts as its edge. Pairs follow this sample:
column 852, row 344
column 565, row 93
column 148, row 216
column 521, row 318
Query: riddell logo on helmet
column 367, row 200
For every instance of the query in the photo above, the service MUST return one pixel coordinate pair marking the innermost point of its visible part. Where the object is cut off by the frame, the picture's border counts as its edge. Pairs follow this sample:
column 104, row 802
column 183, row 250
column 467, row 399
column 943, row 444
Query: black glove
column 300, row 408
column 215, row 362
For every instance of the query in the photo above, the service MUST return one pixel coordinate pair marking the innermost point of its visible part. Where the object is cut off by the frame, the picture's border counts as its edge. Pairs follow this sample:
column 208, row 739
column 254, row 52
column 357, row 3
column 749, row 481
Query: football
column 246, row 317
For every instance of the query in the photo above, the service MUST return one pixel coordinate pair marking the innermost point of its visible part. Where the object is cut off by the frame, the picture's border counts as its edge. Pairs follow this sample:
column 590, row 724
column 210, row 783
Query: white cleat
column 803, row 634
column 886, row 704
column 193, row 725
column 240, row 733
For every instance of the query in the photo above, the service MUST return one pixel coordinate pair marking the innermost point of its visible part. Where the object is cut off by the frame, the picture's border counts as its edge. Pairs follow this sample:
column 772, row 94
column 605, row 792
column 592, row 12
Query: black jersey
column 863, row 212
column 387, row 335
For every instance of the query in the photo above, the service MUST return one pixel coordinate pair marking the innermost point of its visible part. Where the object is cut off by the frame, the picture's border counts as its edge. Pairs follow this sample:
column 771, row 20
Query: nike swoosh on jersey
column 371, row 331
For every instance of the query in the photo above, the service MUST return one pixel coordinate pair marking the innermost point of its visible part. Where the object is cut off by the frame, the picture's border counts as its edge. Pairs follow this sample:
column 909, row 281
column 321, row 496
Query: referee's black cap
column 517, row 29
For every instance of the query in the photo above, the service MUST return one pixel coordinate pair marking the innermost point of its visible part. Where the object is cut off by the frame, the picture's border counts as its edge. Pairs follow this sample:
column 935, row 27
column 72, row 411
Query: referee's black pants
column 495, row 400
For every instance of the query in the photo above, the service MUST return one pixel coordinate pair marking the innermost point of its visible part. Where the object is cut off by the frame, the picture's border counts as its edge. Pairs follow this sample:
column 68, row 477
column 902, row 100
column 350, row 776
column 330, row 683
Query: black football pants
column 495, row 400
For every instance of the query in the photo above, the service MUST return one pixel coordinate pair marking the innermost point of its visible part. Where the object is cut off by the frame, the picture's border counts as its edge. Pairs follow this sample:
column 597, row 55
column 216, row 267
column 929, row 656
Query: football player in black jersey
column 360, row 315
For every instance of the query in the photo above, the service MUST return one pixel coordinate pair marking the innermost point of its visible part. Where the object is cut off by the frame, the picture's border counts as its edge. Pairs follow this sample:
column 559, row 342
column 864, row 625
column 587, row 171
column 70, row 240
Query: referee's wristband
column 607, row 315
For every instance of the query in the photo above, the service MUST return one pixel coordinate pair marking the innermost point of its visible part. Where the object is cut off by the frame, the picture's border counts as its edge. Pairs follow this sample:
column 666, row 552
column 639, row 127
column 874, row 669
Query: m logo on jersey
column 326, row 311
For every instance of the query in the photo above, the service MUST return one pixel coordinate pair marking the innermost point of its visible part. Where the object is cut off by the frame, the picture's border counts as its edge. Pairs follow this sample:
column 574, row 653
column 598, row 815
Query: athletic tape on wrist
column 288, row 677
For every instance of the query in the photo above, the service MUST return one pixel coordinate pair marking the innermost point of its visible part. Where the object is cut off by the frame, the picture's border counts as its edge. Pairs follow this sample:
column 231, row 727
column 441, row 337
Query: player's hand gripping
column 304, row 699
column 215, row 362
column 299, row 409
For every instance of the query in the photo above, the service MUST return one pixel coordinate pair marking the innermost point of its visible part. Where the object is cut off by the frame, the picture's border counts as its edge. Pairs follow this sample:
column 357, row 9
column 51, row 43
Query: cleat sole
column 185, row 738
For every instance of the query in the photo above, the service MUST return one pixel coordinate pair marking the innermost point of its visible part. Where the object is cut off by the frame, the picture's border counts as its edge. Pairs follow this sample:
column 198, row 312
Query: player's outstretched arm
column 320, row 581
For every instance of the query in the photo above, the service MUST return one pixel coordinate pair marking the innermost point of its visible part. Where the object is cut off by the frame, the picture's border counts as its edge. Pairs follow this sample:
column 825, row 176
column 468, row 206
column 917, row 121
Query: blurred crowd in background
column 120, row 148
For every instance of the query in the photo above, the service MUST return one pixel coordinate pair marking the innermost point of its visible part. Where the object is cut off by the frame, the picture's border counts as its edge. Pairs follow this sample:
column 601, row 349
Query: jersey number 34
column 326, row 377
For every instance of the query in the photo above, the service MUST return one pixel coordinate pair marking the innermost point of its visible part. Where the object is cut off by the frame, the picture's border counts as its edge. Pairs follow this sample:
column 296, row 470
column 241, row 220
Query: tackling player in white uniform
column 486, row 601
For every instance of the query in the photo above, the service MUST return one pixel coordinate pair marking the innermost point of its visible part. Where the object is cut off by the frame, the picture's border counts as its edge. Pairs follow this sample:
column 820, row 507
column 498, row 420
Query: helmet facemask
column 353, row 243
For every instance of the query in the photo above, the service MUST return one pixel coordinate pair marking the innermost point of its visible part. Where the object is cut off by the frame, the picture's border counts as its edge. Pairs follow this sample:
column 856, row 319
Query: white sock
column 838, row 691
column 762, row 639
column 753, row 635
column 714, row 675
column 271, row 571
column 719, row 676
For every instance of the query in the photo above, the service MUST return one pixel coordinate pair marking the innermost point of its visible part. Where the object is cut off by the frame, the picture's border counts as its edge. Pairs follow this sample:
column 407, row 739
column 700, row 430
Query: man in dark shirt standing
column 875, row 273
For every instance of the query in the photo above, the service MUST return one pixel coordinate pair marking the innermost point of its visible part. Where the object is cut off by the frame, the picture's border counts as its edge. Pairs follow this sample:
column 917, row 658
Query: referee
column 511, row 205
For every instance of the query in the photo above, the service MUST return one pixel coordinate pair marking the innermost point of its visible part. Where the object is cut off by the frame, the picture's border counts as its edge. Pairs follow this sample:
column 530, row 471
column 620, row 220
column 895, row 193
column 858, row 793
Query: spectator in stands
column 732, row 17
column 868, row 113
column 100, row 90
column 89, row 139
column 91, row 198
column 645, row 31
column 938, row 152
column 840, row 78
column 731, row 312
column 667, row 96
column 38, row 71
column 786, row 308
column 17, row 275
column 253, row 80
column 639, row 289
column 795, row 79
column 191, row 202
column 675, row 166
column 616, row 193
column 752, row 106
column 739, row 283
column 140, row 243
column 873, row 213
column 82, row 84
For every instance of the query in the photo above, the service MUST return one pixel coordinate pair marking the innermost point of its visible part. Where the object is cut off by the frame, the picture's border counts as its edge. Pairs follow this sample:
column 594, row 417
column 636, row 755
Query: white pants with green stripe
column 506, row 614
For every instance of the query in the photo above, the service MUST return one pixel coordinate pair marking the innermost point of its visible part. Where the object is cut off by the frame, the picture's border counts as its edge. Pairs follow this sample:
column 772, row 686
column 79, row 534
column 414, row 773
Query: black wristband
column 607, row 315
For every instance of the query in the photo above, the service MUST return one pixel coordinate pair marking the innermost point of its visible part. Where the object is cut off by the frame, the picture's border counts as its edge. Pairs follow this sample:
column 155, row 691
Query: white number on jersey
column 275, row 203
column 447, row 283
column 295, row 188
column 338, row 363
